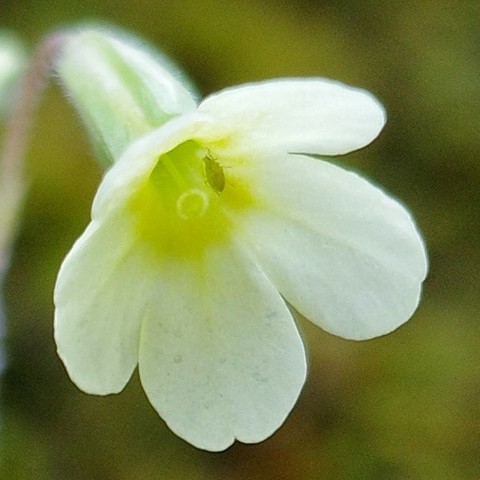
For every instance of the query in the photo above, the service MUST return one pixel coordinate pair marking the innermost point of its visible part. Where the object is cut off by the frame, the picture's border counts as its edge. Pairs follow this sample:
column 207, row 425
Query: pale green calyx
column 12, row 63
column 121, row 88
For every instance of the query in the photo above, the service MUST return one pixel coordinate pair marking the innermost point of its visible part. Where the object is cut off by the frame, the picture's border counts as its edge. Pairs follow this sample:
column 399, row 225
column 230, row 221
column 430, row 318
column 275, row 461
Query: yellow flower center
column 181, row 207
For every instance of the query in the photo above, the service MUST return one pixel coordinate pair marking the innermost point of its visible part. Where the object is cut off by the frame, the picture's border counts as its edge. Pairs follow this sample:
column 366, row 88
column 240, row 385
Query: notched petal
column 100, row 302
column 220, row 356
column 315, row 115
column 342, row 252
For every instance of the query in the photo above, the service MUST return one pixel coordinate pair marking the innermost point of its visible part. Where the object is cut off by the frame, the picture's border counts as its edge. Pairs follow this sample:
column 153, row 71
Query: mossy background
column 401, row 407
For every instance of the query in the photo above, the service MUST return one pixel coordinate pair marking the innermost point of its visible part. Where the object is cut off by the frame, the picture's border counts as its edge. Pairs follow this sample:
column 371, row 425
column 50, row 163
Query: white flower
column 200, row 229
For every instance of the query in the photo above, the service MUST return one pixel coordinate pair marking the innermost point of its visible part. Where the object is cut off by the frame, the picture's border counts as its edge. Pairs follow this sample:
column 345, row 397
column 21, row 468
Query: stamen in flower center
column 188, row 180
column 192, row 203
column 173, row 171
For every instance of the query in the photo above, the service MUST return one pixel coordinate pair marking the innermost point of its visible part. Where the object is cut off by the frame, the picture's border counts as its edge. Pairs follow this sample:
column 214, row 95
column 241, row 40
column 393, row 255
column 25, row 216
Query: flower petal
column 344, row 254
column 136, row 163
column 100, row 302
column 220, row 356
column 300, row 116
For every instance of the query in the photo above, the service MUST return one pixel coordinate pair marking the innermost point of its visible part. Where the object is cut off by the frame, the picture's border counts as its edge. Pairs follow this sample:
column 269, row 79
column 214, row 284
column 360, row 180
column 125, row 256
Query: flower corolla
column 206, row 228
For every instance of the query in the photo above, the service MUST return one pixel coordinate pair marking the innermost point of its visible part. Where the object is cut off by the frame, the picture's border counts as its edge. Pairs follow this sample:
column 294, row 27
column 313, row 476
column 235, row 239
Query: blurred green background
column 402, row 407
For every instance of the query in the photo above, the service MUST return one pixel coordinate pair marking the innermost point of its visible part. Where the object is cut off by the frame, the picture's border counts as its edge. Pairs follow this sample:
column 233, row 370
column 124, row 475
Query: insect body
column 214, row 174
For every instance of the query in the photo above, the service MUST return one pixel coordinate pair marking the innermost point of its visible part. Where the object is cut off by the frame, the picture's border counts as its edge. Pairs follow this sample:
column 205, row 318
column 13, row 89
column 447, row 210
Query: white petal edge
column 137, row 162
column 220, row 356
column 342, row 252
column 99, row 304
column 316, row 115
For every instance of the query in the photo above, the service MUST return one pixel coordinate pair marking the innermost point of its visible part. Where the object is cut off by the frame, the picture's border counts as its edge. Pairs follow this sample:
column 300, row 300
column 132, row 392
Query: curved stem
column 15, row 140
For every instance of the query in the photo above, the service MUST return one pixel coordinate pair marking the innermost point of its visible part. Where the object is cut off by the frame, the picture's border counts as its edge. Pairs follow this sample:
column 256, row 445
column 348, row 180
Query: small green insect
column 214, row 173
